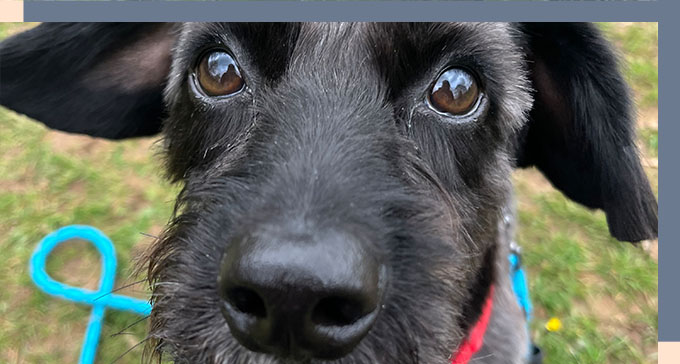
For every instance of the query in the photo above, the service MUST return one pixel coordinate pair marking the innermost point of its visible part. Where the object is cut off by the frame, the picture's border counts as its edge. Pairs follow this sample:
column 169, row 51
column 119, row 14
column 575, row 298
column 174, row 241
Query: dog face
column 343, row 183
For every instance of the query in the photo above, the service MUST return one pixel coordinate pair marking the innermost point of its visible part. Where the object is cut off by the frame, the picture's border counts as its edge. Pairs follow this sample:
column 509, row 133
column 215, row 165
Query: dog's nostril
column 300, row 299
column 337, row 311
column 247, row 301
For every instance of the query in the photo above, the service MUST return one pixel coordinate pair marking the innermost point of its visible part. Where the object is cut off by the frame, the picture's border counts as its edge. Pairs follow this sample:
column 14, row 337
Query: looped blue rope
column 99, row 299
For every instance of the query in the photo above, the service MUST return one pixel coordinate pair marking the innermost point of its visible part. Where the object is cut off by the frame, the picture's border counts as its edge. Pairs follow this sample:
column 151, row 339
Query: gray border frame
column 669, row 177
column 665, row 12
column 272, row 10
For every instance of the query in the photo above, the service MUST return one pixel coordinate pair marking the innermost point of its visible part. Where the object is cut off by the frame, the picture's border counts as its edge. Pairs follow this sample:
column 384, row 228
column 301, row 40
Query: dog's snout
column 300, row 296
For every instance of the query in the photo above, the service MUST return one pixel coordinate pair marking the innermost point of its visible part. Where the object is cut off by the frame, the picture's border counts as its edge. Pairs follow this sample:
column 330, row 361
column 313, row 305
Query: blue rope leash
column 99, row 299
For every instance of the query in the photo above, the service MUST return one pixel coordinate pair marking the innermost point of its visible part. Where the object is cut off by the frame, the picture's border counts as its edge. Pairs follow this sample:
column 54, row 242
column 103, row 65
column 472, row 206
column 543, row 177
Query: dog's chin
column 263, row 358
column 249, row 357
column 290, row 358
column 297, row 360
column 259, row 357
column 414, row 352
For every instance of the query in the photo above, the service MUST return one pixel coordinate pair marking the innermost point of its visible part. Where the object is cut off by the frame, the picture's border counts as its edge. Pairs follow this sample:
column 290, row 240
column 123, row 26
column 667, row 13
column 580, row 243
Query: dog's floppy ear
column 580, row 133
column 102, row 79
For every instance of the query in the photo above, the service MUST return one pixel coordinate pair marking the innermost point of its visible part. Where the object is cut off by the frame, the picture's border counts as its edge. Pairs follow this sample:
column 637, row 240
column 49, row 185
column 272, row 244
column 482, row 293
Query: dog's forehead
column 329, row 30
column 307, row 42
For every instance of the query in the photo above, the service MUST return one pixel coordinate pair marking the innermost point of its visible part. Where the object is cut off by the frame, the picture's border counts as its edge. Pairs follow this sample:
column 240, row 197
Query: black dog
column 345, row 185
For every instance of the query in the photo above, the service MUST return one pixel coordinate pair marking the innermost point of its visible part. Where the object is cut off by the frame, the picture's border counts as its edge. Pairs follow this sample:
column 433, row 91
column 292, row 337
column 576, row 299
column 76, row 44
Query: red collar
column 475, row 338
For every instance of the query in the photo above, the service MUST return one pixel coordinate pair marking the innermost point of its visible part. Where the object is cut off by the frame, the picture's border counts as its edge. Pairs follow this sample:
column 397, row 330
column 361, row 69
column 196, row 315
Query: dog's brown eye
column 455, row 92
column 218, row 74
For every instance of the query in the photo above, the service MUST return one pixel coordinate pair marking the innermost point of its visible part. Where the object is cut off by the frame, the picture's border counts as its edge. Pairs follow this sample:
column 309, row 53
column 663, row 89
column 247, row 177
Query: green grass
column 605, row 292
column 48, row 180
column 638, row 44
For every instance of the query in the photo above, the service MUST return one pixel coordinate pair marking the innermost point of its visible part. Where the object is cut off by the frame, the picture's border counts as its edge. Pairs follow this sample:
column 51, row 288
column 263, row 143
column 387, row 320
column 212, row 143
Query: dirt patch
column 15, row 187
column 82, row 266
column 648, row 119
column 650, row 162
column 63, row 342
column 137, row 185
column 24, row 181
column 78, row 187
column 11, row 355
column 77, row 144
column 614, row 313
column 612, row 319
column 142, row 150
column 528, row 184
column 607, row 309
column 532, row 179
column 651, row 247
column 592, row 281
column 653, row 177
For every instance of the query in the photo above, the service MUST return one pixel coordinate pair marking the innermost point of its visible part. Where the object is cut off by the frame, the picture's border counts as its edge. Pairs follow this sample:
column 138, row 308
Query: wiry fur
column 333, row 132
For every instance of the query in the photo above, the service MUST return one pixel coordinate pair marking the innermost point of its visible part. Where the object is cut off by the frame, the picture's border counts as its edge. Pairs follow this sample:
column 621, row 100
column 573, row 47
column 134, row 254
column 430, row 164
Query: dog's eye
column 218, row 74
column 455, row 92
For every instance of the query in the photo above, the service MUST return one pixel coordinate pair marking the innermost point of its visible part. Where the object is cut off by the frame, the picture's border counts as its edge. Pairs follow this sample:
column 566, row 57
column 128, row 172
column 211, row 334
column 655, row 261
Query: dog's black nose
column 300, row 296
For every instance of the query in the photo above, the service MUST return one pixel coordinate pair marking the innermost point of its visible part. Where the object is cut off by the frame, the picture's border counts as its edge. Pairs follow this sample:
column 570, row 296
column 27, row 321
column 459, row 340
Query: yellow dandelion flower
column 554, row 324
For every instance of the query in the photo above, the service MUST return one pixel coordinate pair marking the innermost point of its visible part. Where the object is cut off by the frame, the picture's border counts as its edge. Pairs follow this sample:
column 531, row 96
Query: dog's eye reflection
column 454, row 93
column 218, row 74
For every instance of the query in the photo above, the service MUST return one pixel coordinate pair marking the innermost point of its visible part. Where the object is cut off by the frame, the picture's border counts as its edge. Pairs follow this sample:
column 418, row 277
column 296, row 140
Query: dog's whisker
column 121, row 332
column 129, row 350
column 165, row 284
column 149, row 235
column 120, row 288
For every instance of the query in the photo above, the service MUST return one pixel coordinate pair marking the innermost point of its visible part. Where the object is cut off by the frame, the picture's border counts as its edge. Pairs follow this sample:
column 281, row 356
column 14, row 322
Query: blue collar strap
column 521, row 289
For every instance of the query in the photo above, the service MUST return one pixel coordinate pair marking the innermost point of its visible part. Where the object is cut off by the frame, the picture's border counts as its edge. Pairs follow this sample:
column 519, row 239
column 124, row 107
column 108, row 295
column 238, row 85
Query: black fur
column 88, row 78
column 333, row 132
column 575, row 129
